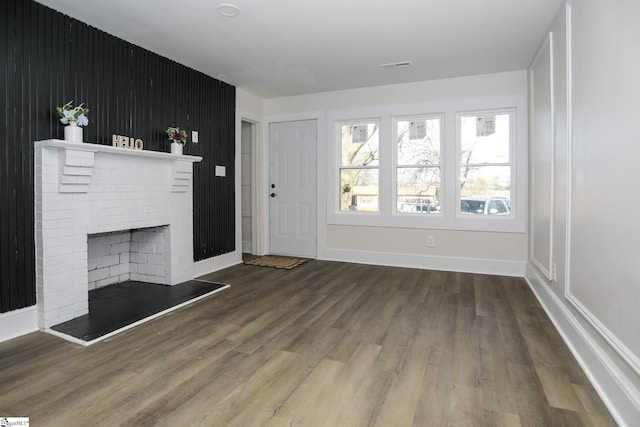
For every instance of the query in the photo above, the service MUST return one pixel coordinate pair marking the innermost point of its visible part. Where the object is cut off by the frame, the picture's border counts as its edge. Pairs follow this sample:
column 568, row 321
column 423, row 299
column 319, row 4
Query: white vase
column 73, row 133
column 176, row 148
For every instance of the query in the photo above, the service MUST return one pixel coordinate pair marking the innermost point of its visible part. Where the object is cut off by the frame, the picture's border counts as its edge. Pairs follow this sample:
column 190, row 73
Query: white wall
column 593, row 235
column 489, row 252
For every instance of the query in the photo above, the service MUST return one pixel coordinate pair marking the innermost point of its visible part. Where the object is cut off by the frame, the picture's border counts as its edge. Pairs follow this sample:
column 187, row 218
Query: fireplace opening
column 136, row 254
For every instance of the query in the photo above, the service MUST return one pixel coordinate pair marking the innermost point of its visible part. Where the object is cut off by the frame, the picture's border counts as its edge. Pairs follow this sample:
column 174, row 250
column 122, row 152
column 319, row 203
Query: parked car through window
column 485, row 205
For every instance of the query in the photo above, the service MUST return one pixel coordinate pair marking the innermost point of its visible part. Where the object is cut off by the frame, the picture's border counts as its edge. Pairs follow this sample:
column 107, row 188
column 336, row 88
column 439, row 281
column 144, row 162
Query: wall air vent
column 401, row 64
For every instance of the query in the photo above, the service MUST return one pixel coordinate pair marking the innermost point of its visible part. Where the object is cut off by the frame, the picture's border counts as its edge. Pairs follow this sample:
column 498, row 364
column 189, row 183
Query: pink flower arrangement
column 176, row 135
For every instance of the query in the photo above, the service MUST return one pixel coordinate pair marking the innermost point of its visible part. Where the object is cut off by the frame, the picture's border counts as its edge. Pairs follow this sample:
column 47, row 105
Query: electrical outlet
column 431, row 242
column 554, row 273
column 194, row 136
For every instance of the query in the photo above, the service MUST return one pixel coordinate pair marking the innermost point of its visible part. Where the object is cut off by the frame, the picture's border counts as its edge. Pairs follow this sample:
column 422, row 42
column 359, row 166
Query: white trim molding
column 18, row 322
column 210, row 265
column 545, row 266
column 609, row 336
column 605, row 374
column 454, row 264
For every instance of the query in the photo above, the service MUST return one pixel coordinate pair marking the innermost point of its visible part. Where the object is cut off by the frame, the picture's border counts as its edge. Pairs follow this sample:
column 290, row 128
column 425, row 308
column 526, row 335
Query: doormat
column 276, row 262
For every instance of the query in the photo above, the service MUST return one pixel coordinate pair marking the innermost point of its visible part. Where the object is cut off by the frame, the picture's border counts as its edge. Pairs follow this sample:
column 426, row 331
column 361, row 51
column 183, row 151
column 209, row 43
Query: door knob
column 273, row 194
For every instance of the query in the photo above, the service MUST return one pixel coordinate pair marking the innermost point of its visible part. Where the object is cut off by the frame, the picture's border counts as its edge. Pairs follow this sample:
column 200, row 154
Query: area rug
column 273, row 261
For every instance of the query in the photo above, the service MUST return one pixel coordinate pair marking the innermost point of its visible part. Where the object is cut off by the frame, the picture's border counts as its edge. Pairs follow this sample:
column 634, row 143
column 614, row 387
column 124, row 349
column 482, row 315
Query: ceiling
column 277, row 48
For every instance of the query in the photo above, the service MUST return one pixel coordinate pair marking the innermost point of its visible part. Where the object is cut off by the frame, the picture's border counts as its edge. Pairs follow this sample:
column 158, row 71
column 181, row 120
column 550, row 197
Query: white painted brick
column 158, row 280
column 139, row 237
column 159, row 270
column 64, row 223
column 55, row 233
column 59, row 250
column 99, row 274
column 107, row 260
column 49, row 224
column 156, row 237
column 147, row 248
column 71, row 179
column 79, row 158
column 120, row 248
column 97, row 250
column 61, row 301
column 139, row 277
column 138, row 258
column 113, row 238
column 156, row 259
column 76, row 170
column 80, row 309
column 146, row 269
column 73, row 188
column 80, row 264
column 57, row 261
column 119, row 269
column 57, row 214
column 106, row 282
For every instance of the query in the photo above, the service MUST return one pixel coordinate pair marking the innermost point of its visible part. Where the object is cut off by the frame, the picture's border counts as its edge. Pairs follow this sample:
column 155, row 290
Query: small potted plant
column 178, row 138
column 73, row 117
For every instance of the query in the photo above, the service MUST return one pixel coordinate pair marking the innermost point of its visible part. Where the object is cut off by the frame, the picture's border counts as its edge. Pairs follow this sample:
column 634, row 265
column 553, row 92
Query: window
column 485, row 162
column 450, row 165
column 417, row 147
column 359, row 188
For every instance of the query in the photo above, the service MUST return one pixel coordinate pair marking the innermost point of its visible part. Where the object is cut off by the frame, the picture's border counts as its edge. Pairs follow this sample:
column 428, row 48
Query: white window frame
column 512, row 149
column 396, row 166
column 449, row 220
column 338, row 161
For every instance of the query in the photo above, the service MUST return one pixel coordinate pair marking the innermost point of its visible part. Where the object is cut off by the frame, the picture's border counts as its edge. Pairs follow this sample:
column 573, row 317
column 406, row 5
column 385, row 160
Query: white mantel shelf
column 95, row 148
column 79, row 159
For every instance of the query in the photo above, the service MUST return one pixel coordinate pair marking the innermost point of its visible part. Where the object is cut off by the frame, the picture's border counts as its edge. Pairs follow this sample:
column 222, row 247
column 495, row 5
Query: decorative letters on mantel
column 127, row 142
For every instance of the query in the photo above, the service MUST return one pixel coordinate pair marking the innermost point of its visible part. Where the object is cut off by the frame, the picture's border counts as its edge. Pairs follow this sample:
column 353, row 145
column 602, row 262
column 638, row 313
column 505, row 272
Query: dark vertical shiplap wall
column 47, row 59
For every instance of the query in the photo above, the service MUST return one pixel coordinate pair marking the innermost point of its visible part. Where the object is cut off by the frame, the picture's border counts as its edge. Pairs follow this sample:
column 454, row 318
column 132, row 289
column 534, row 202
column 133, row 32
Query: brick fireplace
column 96, row 205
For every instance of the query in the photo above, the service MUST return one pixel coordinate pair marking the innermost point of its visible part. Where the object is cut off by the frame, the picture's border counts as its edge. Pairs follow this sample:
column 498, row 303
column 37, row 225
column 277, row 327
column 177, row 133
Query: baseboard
column 463, row 265
column 18, row 322
column 607, row 376
column 210, row 265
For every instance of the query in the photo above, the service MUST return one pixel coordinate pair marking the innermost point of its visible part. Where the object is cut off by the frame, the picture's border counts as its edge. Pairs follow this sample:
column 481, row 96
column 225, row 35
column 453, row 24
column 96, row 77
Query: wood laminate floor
column 325, row 344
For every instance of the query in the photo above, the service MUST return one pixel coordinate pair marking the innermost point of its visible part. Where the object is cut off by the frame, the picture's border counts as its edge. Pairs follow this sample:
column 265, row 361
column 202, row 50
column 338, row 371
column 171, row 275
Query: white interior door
column 292, row 188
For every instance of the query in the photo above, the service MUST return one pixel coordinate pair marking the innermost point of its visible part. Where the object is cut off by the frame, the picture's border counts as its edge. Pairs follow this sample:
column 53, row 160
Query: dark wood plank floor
column 325, row 344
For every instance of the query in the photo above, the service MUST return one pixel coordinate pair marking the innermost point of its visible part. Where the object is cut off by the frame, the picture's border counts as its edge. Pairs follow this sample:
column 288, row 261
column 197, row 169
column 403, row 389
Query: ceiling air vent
column 401, row 64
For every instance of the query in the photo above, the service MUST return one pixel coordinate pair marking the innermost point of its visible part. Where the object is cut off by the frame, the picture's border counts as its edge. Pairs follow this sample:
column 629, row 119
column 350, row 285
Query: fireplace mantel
column 59, row 143
column 83, row 189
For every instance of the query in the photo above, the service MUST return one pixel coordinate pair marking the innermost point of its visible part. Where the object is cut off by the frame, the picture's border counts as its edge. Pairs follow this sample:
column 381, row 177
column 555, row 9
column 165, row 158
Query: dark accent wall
column 47, row 59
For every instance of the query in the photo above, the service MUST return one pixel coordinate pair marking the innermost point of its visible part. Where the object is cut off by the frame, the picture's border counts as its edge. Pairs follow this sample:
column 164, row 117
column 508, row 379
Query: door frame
column 253, row 183
column 262, row 187
column 256, row 137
